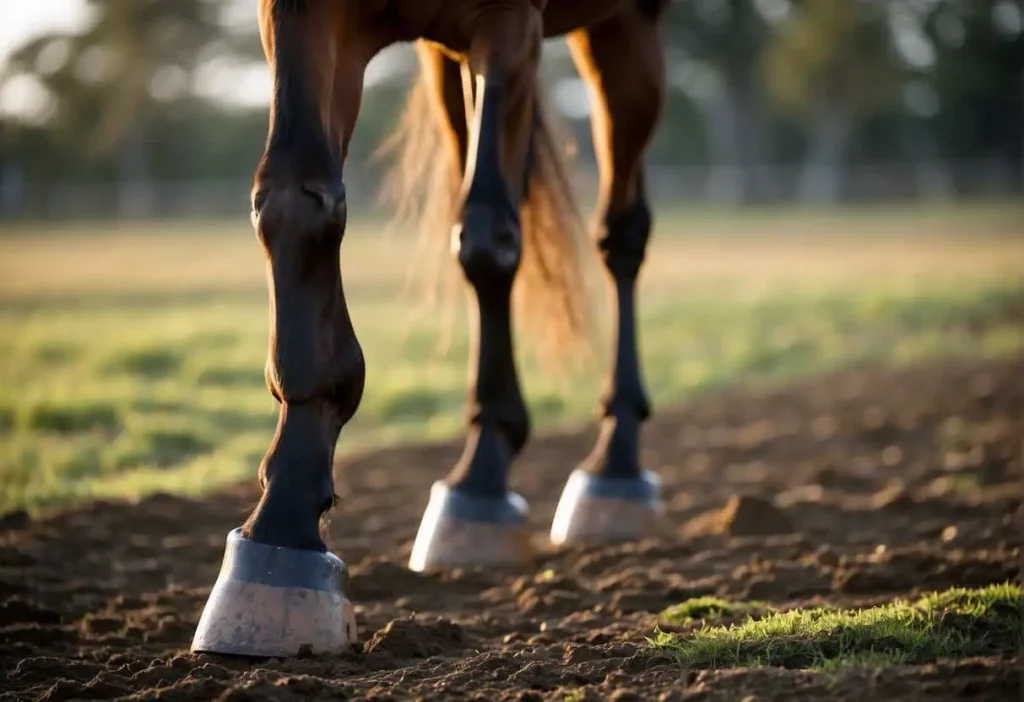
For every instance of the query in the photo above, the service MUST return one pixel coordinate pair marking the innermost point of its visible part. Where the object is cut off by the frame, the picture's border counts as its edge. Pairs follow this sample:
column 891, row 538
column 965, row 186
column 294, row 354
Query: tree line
column 816, row 87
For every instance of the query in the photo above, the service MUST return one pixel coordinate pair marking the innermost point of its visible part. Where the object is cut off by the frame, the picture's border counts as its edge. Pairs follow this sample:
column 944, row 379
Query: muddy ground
column 850, row 489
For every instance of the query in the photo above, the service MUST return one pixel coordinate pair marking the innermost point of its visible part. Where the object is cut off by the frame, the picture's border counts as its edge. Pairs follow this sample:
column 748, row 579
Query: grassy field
column 133, row 355
column 954, row 623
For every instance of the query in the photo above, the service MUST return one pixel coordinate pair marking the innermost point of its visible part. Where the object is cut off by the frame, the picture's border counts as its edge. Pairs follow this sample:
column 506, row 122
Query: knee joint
column 623, row 242
column 488, row 243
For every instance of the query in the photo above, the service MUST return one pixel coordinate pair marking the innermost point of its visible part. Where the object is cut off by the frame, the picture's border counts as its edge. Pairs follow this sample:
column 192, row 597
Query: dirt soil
column 850, row 489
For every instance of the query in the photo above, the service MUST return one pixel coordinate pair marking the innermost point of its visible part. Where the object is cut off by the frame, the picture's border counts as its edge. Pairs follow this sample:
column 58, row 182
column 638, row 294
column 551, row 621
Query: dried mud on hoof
column 855, row 490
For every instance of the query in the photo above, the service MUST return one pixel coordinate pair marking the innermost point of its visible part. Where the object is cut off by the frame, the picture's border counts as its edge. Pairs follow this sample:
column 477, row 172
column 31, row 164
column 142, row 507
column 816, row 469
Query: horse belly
column 564, row 16
column 444, row 22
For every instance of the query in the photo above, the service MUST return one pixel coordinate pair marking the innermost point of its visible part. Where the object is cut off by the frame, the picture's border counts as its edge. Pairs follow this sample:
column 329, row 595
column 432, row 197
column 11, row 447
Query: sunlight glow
column 23, row 20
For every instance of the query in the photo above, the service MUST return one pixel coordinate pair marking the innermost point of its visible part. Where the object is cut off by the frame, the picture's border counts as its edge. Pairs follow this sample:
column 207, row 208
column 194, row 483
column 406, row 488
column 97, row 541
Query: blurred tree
column 130, row 63
column 825, row 85
column 831, row 62
column 714, row 49
column 970, row 100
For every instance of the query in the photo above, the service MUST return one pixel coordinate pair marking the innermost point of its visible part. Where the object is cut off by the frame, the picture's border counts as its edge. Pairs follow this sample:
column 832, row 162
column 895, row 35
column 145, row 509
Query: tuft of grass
column 996, row 603
column 148, row 364
column 711, row 608
column 951, row 624
column 70, row 418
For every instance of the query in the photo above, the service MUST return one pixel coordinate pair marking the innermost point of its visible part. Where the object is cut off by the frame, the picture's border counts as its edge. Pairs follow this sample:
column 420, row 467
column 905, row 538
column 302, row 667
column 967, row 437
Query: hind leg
column 610, row 497
column 472, row 516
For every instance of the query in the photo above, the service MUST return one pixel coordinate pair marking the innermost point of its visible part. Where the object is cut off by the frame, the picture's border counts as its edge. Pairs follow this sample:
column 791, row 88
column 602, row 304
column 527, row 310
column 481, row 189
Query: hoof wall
column 461, row 529
column 276, row 602
column 596, row 509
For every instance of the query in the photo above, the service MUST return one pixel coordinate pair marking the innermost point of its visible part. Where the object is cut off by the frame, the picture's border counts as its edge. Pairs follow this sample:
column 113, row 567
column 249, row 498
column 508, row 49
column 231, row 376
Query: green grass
column 955, row 623
column 133, row 355
column 711, row 608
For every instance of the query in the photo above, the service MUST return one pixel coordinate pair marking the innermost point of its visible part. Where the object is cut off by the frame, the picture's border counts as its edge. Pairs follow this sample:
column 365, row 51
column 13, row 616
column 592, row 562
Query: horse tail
column 422, row 187
column 552, row 293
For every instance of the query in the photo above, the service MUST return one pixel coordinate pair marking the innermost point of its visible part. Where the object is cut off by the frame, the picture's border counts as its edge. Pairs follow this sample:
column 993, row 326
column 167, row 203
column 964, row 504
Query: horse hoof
column 462, row 529
column 597, row 509
column 270, row 601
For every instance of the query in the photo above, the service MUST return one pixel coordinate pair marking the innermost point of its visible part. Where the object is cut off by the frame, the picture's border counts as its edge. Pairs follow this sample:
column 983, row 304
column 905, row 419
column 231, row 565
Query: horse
column 478, row 159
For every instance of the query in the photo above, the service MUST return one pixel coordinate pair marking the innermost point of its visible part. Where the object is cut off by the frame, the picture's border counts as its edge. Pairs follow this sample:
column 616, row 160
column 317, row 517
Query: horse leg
column 610, row 497
column 472, row 517
column 280, row 592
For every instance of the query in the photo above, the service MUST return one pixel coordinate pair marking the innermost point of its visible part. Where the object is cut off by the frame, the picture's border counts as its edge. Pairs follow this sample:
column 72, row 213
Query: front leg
column 472, row 516
column 280, row 592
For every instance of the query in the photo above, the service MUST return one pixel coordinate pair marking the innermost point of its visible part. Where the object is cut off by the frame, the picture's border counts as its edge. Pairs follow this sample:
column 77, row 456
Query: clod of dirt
column 762, row 588
column 408, row 638
column 743, row 515
column 548, row 594
column 17, row 610
column 382, row 579
column 893, row 496
column 16, row 520
column 582, row 653
column 826, row 556
column 832, row 478
column 632, row 601
column 100, row 624
column 13, row 558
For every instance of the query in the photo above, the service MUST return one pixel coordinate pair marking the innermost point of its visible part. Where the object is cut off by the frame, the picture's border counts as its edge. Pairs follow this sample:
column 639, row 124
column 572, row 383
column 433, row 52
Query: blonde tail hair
column 552, row 293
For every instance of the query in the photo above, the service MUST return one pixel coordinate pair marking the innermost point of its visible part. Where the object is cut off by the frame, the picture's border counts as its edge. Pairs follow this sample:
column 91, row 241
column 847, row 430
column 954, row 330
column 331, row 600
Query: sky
column 238, row 84
column 23, row 19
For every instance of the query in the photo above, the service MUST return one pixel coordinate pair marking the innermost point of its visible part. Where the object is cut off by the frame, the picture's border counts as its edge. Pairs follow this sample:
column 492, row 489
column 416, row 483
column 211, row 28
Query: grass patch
column 146, row 363
column 951, row 624
column 710, row 609
column 131, row 364
column 231, row 377
column 8, row 416
column 70, row 417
